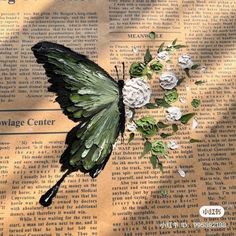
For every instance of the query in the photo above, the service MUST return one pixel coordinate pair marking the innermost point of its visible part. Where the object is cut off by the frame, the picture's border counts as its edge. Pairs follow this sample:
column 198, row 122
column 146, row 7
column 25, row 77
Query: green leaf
column 162, row 103
column 147, row 148
column 152, row 35
column 180, row 80
column 175, row 127
column 200, row 82
column 185, row 118
column 131, row 137
column 150, row 106
column 195, row 66
column 174, row 42
column 165, row 135
column 147, row 57
column 153, row 160
column 162, row 125
column 192, row 140
column 186, row 70
column 179, row 46
column 160, row 166
column 196, row 103
column 160, row 49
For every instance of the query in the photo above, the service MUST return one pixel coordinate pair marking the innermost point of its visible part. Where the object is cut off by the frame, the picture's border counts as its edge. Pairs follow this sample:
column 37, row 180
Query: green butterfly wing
column 86, row 93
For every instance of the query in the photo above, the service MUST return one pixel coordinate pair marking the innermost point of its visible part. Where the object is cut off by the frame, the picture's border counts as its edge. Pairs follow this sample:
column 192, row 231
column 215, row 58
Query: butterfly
column 88, row 95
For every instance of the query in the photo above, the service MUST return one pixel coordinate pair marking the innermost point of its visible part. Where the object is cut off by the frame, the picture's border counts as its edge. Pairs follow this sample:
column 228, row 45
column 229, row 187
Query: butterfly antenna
column 123, row 66
column 117, row 73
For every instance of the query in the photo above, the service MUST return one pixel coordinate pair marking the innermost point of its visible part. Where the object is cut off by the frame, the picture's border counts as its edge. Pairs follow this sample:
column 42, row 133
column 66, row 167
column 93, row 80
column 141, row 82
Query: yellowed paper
column 129, row 197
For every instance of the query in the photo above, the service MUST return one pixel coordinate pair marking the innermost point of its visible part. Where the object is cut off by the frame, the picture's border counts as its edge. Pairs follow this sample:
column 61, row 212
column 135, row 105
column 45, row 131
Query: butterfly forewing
column 88, row 94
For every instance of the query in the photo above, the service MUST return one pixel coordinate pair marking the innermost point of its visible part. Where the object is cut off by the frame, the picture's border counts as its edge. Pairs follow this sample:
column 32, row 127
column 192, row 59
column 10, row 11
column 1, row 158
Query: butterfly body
column 87, row 94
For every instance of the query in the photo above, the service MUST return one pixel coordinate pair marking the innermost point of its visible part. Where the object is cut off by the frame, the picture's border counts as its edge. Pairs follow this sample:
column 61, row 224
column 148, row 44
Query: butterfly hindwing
column 88, row 94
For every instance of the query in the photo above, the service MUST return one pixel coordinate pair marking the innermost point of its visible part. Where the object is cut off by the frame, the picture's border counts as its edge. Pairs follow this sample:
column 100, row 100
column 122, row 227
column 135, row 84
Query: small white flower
column 182, row 99
column 128, row 113
column 195, row 123
column 136, row 92
column 168, row 80
column 203, row 69
column 185, row 61
column 135, row 49
column 173, row 113
column 131, row 126
column 172, row 144
column 164, row 56
column 181, row 172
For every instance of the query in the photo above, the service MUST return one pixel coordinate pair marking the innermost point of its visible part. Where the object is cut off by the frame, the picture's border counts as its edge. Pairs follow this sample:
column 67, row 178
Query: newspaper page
column 129, row 197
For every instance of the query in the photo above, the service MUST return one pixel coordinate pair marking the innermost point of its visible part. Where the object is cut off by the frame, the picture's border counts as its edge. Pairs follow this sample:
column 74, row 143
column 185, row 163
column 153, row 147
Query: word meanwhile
column 29, row 122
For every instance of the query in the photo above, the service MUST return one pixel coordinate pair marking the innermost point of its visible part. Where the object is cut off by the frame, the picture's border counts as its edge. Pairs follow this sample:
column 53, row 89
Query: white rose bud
column 168, row 80
column 173, row 113
column 164, row 56
column 136, row 92
column 185, row 61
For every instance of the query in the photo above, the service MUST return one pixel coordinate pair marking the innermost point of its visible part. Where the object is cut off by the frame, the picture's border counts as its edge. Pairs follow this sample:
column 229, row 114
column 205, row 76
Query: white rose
column 173, row 113
column 136, row 92
column 168, row 80
column 164, row 56
column 131, row 126
column 185, row 61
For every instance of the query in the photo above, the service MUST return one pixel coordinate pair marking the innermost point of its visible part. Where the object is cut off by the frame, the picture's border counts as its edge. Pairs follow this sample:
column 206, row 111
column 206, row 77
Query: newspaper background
column 129, row 197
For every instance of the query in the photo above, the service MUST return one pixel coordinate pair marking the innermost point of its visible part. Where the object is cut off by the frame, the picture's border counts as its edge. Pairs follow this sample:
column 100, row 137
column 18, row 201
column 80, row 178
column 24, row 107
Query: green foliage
column 185, row 118
column 151, row 106
column 195, row 66
column 159, row 148
column 160, row 49
column 192, row 140
column 196, row 103
column 137, row 69
column 131, row 137
column 186, row 70
column 171, row 96
column 199, row 82
column 147, row 126
column 162, row 125
column 180, row 80
column 156, row 66
column 175, row 128
column 165, row 135
column 153, row 160
column 147, row 148
column 174, row 42
column 162, row 103
column 147, row 57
